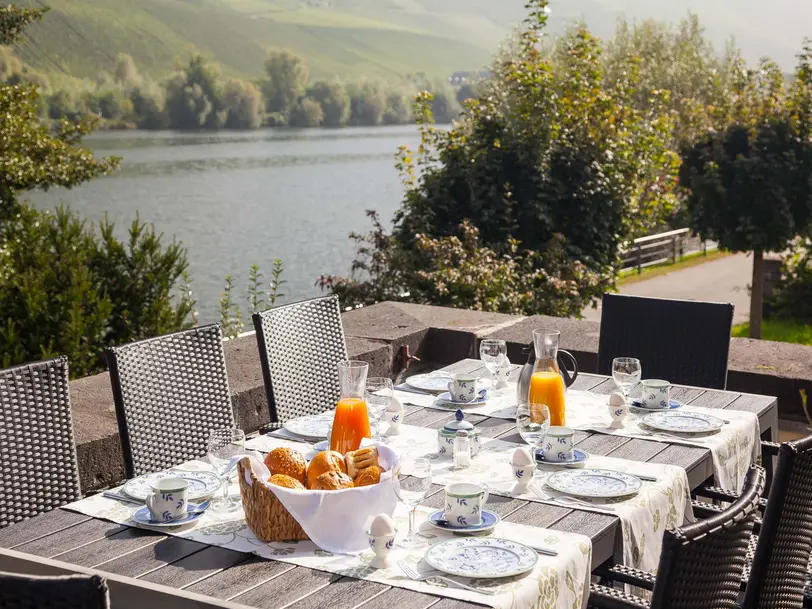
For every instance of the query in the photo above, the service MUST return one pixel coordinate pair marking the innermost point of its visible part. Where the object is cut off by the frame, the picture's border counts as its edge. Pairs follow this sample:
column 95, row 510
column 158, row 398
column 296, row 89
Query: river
column 238, row 198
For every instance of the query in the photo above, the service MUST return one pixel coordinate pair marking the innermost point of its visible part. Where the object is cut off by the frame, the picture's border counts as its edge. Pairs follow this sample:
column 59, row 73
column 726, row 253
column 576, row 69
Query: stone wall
column 438, row 336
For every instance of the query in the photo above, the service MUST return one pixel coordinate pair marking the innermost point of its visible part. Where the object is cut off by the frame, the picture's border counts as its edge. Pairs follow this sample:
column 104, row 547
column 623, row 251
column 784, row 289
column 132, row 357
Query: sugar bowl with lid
column 447, row 433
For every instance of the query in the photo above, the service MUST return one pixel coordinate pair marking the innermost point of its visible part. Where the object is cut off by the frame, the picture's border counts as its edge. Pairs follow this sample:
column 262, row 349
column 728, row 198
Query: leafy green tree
column 193, row 97
column 126, row 72
column 334, row 101
column 306, row 113
column 149, row 107
column 749, row 187
column 398, row 109
column 368, row 104
column 61, row 105
column 287, row 78
column 243, row 104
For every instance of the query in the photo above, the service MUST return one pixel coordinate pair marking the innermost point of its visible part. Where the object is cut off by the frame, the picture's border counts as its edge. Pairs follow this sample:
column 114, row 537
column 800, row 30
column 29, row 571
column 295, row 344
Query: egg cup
column 382, row 546
column 523, row 474
column 618, row 414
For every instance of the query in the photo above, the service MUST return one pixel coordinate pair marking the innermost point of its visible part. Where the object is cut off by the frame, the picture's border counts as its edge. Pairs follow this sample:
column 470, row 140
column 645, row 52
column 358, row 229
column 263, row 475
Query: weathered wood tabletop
column 256, row 582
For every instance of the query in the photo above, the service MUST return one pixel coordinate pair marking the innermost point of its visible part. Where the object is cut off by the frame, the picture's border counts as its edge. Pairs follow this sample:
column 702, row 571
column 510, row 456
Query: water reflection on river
column 235, row 199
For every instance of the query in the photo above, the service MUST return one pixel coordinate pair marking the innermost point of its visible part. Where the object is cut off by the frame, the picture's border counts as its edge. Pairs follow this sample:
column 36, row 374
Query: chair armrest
column 720, row 494
column 626, row 575
column 602, row 597
column 769, row 448
column 706, row 510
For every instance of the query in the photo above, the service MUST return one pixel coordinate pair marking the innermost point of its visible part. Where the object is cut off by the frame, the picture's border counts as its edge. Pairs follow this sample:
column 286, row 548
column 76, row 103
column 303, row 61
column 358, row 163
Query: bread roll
column 288, row 462
column 361, row 459
column 368, row 476
column 327, row 461
column 332, row 481
column 286, row 481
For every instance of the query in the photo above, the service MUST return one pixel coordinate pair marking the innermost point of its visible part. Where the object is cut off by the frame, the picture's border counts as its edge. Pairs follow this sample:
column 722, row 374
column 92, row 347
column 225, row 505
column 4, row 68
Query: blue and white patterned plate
column 579, row 457
column 144, row 517
column 594, row 483
column 489, row 520
column 672, row 404
column 683, row 422
column 433, row 382
column 478, row 557
column 311, row 426
column 201, row 484
column 445, row 399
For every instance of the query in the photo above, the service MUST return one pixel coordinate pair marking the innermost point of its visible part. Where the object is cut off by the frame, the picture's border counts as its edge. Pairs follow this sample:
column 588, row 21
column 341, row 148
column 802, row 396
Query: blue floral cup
column 168, row 500
column 558, row 445
column 463, row 388
column 656, row 393
column 464, row 503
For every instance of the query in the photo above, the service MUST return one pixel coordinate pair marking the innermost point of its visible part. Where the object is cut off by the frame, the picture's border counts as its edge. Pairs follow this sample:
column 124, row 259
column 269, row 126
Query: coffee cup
column 168, row 500
column 464, row 502
column 557, row 446
column 656, row 393
column 462, row 388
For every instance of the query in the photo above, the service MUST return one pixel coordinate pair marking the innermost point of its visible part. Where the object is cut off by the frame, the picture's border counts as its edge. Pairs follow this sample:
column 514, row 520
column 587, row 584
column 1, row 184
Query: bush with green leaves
column 792, row 296
column 258, row 296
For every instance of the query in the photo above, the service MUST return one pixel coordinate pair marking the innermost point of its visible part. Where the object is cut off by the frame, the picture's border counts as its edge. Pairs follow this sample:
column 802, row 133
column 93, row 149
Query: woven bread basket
column 264, row 513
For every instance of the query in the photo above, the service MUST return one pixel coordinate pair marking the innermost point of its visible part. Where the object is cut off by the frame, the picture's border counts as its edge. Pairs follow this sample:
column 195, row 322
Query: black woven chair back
column 170, row 392
column 701, row 564
column 682, row 341
column 38, row 469
column 300, row 345
column 59, row 592
column 779, row 570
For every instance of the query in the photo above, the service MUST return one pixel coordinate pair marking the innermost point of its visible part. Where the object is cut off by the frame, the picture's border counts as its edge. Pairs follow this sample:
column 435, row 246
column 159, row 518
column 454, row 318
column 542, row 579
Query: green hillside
column 349, row 37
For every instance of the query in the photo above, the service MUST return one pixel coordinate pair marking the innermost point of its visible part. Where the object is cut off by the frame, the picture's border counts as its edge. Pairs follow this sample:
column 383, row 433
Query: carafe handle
column 569, row 375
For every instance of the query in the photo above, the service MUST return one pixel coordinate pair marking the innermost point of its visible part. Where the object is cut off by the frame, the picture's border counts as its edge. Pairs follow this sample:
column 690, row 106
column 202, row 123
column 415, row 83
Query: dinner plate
column 579, row 457
column 482, row 557
column 594, row 483
column 683, row 422
column 201, row 484
column 311, row 426
column 489, row 520
column 672, row 405
column 144, row 517
column 445, row 399
column 433, row 382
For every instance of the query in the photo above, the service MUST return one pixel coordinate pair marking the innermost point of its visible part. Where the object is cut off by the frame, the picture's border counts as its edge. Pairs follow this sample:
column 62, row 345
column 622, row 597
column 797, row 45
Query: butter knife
column 122, row 497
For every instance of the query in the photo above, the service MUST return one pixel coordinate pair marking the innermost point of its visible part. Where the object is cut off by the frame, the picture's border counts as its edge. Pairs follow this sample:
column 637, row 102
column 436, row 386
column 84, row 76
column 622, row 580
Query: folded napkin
column 336, row 521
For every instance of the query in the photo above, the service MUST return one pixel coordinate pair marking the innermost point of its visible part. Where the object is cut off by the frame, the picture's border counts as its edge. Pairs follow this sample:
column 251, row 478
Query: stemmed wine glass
column 411, row 478
column 223, row 445
column 493, row 353
column 379, row 394
column 533, row 422
column 626, row 372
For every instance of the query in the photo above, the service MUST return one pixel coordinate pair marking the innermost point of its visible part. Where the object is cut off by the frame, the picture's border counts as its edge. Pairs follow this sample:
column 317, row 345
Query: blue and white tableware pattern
column 489, row 521
column 168, row 500
column 480, row 558
column 683, row 422
column 594, row 483
column 201, row 485
column 462, row 388
column 312, row 426
column 502, row 376
column 445, row 444
column 382, row 546
column 672, row 405
column 464, row 502
column 579, row 457
column 447, row 399
column 193, row 513
column 656, row 394
column 558, row 444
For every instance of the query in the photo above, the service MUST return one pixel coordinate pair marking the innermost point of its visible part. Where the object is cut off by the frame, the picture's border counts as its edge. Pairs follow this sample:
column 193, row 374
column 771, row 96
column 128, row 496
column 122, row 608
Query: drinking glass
column 533, row 422
column 627, row 372
column 379, row 394
column 493, row 354
column 411, row 478
column 223, row 445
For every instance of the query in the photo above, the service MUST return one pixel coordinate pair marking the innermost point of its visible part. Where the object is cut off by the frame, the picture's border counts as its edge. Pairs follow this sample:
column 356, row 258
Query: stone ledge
column 437, row 335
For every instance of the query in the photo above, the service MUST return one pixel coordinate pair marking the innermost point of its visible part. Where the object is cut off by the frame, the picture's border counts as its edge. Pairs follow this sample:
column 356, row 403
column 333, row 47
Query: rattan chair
column 300, row 345
column 701, row 564
column 682, row 341
column 170, row 392
column 777, row 569
column 38, row 470
column 55, row 592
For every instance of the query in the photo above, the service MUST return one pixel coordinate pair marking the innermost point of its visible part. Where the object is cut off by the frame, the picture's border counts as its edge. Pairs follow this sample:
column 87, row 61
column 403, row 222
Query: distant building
column 460, row 78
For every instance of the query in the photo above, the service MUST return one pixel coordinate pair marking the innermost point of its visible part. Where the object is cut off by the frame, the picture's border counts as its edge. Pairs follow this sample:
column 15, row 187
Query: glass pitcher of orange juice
column 549, row 382
column 351, row 421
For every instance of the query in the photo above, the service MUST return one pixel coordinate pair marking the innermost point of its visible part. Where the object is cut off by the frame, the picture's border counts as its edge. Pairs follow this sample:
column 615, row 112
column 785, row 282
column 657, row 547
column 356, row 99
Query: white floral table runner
column 556, row 582
column 644, row 517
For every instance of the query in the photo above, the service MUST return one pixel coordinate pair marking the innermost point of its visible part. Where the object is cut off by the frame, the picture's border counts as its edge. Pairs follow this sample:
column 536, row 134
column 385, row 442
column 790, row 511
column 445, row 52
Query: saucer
column 144, row 517
column 672, row 404
column 489, row 520
column 579, row 457
column 445, row 398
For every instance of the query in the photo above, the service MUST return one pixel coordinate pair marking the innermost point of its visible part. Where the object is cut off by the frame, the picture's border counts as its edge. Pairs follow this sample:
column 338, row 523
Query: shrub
column 792, row 296
column 306, row 113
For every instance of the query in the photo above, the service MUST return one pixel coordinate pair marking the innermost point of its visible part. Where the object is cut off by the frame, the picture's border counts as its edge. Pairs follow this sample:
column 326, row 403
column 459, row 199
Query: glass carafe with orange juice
column 351, row 421
column 549, row 381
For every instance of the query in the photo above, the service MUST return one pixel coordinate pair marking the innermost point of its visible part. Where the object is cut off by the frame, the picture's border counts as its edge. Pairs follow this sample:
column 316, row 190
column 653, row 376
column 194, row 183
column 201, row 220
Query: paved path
column 722, row 280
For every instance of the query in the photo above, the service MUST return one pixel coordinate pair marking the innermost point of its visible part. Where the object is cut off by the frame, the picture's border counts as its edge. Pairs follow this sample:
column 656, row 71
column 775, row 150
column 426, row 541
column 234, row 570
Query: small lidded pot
column 381, row 535
column 447, row 434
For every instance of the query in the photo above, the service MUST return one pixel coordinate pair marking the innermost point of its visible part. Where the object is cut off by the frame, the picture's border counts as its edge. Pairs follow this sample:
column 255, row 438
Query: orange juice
column 547, row 387
column 350, row 425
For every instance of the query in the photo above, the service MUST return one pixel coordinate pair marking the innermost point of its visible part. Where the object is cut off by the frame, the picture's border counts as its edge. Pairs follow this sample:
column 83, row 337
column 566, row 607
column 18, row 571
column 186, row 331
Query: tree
column 398, row 109
column 287, row 78
column 243, row 104
column 368, row 104
column 193, row 97
column 10, row 64
column 749, row 187
column 126, row 72
column 148, row 107
column 334, row 101
column 306, row 113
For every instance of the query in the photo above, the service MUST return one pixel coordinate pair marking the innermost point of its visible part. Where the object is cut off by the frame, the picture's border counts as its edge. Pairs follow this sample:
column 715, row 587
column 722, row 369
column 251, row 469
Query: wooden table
column 244, row 580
